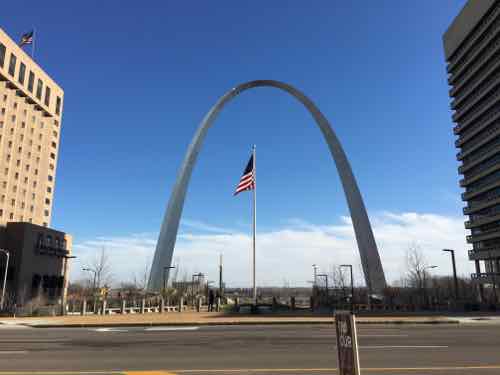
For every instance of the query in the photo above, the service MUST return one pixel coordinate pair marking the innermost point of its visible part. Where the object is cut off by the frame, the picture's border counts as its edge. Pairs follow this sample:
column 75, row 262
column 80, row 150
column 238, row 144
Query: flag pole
column 33, row 44
column 254, row 221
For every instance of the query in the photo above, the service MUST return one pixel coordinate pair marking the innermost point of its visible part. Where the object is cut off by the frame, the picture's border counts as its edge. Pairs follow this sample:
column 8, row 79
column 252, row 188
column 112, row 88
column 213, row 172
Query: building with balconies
column 472, row 51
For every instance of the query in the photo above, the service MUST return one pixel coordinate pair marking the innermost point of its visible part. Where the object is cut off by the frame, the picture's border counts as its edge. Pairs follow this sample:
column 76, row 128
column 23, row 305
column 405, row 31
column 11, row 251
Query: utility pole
column 7, row 255
column 352, row 285
column 455, row 280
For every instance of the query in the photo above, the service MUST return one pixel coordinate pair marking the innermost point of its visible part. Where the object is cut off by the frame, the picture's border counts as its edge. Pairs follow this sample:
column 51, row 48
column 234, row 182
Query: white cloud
column 287, row 253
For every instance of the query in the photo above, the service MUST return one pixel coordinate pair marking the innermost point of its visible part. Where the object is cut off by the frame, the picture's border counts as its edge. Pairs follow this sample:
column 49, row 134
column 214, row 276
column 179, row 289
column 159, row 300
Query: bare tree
column 141, row 278
column 415, row 267
column 101, row 265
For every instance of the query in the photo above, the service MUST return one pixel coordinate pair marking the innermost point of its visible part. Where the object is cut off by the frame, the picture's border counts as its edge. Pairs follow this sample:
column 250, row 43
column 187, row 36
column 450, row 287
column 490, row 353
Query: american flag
column 247, row 181
column 26, row 39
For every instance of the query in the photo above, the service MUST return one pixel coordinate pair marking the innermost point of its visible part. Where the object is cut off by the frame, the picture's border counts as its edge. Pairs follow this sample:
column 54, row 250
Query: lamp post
column 165, row 276
column 425, row 282
column 95, row 275
column 315, row 268
column 7, row 255
column 93, row 286
column 352, row 286
column 455, row 280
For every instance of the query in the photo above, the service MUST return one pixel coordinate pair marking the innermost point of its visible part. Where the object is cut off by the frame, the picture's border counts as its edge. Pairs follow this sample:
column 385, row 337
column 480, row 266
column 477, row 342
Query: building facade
column 31, row 105
column 30, row 126
column 472, row 51
column 38, row 266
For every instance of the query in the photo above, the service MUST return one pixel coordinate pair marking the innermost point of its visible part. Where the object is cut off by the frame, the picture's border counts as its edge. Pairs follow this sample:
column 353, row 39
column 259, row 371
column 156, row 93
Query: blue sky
column 139, row 76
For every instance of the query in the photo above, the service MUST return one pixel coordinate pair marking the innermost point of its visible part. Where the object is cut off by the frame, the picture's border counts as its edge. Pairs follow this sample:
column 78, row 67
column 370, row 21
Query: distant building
column 31, row 106
column 472, row 51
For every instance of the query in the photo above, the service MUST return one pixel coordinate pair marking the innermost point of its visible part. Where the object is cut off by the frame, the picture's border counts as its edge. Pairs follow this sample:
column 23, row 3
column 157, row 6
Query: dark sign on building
column 347, row 344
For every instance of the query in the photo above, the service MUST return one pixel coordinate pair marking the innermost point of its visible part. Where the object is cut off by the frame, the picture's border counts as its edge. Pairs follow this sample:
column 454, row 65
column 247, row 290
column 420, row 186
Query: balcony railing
column 484, row 254
column 488, row 278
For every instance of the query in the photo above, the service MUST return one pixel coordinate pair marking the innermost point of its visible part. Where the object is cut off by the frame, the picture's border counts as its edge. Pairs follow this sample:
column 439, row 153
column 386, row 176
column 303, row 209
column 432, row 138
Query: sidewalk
column 193, row 318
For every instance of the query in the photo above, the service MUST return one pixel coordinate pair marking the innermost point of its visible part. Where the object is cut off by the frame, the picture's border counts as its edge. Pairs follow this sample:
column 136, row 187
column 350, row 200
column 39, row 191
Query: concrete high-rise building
column 472, row 51
column 30, row 125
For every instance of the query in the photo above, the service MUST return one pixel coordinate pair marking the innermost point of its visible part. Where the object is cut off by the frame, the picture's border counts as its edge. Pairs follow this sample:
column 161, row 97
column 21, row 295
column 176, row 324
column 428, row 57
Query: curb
column 234, row 323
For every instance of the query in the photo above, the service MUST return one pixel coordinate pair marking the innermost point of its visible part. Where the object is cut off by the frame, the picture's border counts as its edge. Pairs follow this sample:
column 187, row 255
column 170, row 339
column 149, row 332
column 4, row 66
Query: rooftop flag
column 26, row 38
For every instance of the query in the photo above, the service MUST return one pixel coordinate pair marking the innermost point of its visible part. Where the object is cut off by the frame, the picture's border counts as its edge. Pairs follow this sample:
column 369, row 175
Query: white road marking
column 109, row 330
column 13, row 352
column 382, row 335
column 172, row 329
column 28, row 340
column 404, row 346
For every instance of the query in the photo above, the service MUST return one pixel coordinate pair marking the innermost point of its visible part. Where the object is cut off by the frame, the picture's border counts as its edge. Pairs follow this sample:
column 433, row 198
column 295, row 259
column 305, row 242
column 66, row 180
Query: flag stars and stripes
column 247, row 181
column 26, row 39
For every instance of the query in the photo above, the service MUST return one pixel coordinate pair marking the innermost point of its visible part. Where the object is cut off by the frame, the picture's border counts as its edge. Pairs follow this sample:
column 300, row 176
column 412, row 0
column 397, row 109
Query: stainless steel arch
column 372, row 266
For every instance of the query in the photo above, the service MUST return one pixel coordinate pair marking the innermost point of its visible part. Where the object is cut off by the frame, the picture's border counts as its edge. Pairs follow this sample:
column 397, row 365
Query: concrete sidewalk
column 192, row 318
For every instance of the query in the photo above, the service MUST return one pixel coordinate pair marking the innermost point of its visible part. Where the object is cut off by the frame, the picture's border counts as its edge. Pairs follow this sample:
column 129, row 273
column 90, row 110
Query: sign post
column 347, row 343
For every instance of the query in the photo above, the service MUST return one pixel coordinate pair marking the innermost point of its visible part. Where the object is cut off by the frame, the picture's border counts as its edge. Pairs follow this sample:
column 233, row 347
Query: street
column 277, row 349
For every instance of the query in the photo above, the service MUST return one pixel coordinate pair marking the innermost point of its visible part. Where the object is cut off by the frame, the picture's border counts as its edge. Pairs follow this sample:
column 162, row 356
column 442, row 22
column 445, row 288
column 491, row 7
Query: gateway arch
column 370, row 259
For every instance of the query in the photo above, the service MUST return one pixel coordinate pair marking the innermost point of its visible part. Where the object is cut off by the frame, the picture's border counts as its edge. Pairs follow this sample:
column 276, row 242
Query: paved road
column 280, row 349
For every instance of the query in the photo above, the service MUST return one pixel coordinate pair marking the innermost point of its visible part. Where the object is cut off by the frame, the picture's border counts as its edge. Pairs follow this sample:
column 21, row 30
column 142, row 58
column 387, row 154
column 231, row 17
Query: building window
column 47, row 95
column 32, row 208
column 4, row 184
column 50, row 177
column 31, row 81
column 49, row 189
column 18, row 162
column 13, row 202
column 34, row 184
column 39, row 88
column 47, row 201
column 58, row 243
column 11, row 216
column 54, row 144
column 23, row 124
column 22, row 205
column 58, row 105
column 2, row 55
column 52, row 155
column 46, row 212
column 1, row 212
column 49, row 240
column 22, row 73
column 12, row 64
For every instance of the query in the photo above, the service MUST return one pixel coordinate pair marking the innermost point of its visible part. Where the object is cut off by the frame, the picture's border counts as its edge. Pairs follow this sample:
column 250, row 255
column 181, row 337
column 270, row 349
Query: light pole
column 95, row 275
column 326, row 282
column 455, row 280
column 352, row 286
column 315, row 268
column 7, row 255
column 165, row 276
column 93, row 286
column 425, row 282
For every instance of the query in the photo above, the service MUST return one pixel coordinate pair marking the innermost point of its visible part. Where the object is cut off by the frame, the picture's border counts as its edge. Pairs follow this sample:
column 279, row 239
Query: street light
column 326, row 282
column 425, row 282
column 455, row 280
column 95, row 275
column 165, row 277
column 315, row 267
column 352, row 286
column 7, row 255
